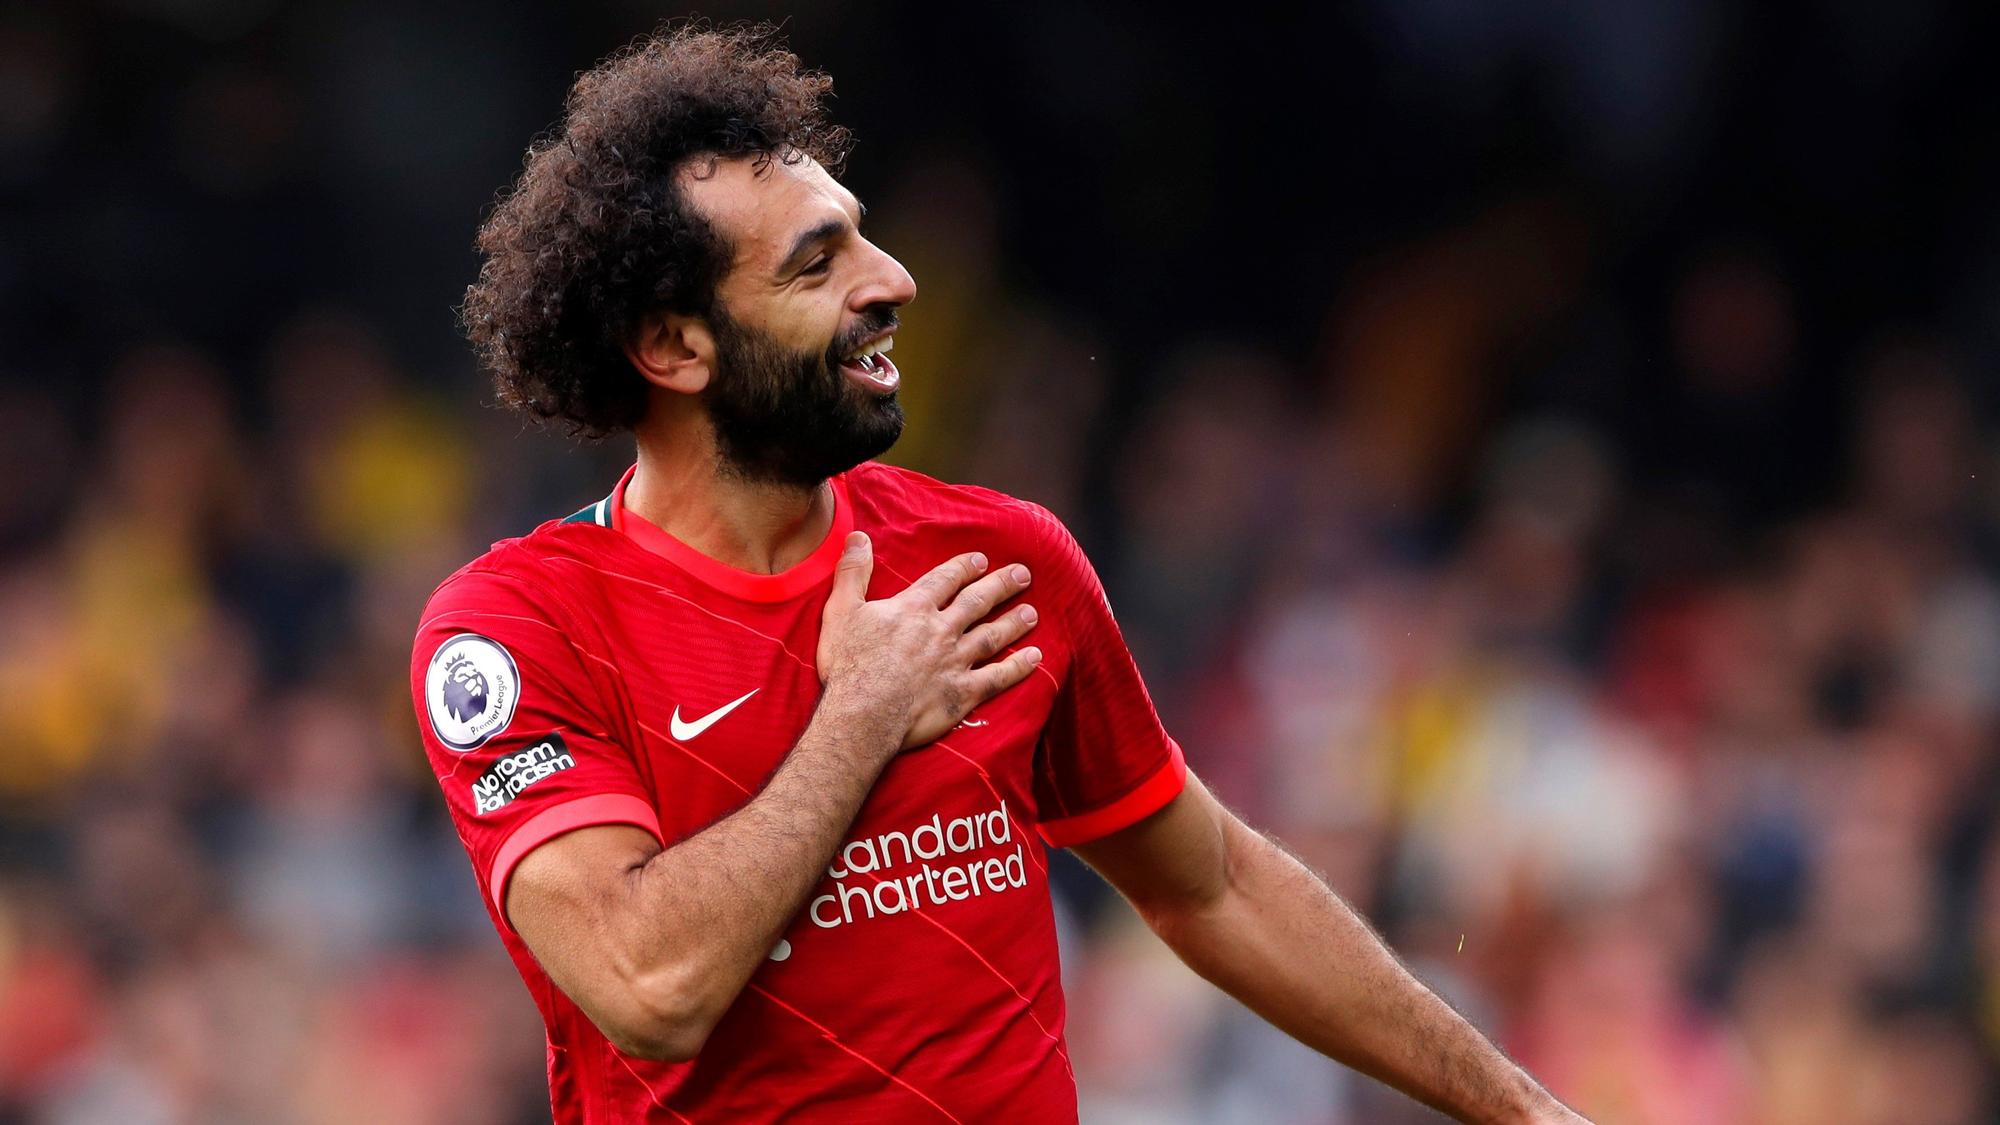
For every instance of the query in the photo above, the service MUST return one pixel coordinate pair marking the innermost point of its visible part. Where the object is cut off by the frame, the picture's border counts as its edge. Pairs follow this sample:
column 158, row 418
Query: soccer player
column 756, row 756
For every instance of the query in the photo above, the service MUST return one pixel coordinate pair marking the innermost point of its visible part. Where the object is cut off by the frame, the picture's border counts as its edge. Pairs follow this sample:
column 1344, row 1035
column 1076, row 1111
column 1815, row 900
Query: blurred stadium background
column 1543, row 454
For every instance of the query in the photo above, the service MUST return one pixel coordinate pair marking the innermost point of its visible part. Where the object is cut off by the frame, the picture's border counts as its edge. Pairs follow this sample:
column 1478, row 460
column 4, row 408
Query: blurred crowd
column 1602, row 590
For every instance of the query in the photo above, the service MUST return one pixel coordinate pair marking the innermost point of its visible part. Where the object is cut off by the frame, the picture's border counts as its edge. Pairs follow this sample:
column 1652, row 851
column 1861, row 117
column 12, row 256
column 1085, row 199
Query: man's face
column 796, row 395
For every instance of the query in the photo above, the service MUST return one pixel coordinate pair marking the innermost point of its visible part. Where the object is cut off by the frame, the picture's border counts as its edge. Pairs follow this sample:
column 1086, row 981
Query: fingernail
column 1033, row 654
column 978, row 561
column 1029, row 615
column 1021, row 575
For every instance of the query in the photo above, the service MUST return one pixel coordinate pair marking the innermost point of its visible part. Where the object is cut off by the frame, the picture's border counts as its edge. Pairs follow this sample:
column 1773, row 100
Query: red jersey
column 597, row 671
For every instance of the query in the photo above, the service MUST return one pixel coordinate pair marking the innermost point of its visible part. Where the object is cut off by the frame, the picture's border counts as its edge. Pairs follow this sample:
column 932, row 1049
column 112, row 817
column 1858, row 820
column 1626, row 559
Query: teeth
column 865, row 355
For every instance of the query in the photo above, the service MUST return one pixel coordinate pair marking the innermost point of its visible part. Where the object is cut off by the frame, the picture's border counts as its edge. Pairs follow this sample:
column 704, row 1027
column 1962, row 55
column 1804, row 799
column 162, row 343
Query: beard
column 789, row 417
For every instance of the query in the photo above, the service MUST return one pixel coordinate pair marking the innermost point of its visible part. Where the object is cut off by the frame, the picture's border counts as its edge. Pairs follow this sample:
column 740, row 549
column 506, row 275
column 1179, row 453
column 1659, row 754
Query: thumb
column 851, row 573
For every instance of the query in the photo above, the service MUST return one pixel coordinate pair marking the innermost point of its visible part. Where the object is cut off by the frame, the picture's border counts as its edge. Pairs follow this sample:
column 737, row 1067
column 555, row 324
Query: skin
column 1242, row 912
column 654, row 944
column 804, row 304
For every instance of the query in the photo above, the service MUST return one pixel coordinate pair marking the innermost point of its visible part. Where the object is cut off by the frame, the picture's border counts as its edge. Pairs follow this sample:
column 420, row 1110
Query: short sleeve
column 514, row 728
column 1105, row 761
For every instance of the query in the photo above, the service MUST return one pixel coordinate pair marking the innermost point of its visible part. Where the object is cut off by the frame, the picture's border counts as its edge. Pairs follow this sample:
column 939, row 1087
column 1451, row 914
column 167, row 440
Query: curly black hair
column 596, row 233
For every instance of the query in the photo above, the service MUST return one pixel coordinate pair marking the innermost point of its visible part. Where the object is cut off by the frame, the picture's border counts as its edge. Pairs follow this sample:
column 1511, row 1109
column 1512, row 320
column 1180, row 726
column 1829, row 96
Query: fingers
column 994, row 678
column 851, row 573
column 944, row 581
column 979, row 645
column 983, row 596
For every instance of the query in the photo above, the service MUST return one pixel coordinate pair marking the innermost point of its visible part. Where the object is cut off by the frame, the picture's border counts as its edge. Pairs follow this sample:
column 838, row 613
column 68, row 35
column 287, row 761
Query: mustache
column 875, row 321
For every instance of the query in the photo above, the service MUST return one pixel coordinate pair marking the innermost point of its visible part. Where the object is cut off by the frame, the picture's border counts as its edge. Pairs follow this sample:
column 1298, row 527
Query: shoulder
column 503, row 575
column 933, row 520
column 897, row 496
column 524, row 587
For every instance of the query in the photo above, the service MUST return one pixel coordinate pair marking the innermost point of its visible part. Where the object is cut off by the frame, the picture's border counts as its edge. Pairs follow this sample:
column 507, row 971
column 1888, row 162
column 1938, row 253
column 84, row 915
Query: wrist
column 857, row 720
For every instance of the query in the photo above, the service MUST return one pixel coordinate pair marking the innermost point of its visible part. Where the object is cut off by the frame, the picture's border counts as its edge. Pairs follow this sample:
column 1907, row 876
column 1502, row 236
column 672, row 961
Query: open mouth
column 870, row 367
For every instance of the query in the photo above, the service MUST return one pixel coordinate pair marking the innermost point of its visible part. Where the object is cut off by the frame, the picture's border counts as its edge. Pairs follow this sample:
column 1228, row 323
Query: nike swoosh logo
column 685, row 731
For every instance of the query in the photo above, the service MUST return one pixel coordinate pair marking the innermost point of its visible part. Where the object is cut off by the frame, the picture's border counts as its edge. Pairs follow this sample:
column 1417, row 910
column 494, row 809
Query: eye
column 819, row 265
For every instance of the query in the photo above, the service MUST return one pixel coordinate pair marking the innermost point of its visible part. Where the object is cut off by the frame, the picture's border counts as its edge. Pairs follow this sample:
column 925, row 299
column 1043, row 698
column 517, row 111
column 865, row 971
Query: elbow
column 657, row 1042
column 1181, row 910
column 1192, row 914
column 1178, row 924
column 661, row 1018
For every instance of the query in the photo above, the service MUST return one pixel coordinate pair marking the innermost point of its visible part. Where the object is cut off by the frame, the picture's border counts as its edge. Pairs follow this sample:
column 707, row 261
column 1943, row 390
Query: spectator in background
column 1569, row 521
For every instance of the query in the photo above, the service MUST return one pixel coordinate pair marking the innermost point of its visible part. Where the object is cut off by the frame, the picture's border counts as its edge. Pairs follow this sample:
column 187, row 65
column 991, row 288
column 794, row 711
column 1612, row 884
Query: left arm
column 1250, row 918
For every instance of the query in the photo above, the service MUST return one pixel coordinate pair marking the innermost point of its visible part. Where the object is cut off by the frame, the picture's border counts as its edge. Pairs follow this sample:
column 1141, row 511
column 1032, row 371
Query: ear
column 673, row 350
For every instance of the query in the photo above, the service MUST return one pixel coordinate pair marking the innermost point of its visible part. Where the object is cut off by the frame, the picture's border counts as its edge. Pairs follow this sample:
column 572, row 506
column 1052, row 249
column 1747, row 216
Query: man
column 751, row 756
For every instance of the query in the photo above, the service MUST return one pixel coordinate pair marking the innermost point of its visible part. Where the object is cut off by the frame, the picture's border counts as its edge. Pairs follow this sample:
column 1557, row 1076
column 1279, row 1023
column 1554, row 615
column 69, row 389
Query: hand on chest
column 717, row 712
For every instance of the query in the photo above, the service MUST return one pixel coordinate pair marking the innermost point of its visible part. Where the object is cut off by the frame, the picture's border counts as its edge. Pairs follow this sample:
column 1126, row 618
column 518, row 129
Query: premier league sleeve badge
column 471, row 690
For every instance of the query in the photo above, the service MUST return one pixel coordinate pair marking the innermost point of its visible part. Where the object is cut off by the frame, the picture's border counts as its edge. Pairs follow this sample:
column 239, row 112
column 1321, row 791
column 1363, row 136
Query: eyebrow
column 807, row 240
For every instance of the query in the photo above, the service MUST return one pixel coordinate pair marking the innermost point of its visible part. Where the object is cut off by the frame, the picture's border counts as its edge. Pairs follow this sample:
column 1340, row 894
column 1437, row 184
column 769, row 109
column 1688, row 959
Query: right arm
column 654, row 944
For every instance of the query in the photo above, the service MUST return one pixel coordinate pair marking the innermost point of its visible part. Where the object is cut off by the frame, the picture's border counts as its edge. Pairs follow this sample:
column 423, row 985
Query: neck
column 682, row 488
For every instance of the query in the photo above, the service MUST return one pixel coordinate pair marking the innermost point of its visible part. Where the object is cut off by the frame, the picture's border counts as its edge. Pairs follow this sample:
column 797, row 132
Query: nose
column 887, row 283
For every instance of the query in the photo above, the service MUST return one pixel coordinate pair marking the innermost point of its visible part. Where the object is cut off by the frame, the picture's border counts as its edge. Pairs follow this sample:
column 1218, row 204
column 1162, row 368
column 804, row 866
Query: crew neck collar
column 789, row 583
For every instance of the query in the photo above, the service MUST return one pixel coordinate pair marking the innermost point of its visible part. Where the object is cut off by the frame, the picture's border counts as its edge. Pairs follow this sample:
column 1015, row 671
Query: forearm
column 655, row 944
column 1278, row 939
column 702, row 915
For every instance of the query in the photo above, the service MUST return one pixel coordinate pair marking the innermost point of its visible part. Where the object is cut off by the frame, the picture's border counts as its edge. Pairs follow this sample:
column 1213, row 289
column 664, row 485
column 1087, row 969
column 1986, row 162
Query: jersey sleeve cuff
column 1144, row 799
column 584, row 812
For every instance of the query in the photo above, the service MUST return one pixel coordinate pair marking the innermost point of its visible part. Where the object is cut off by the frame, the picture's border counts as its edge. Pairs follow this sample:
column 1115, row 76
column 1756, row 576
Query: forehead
column 758, row 212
